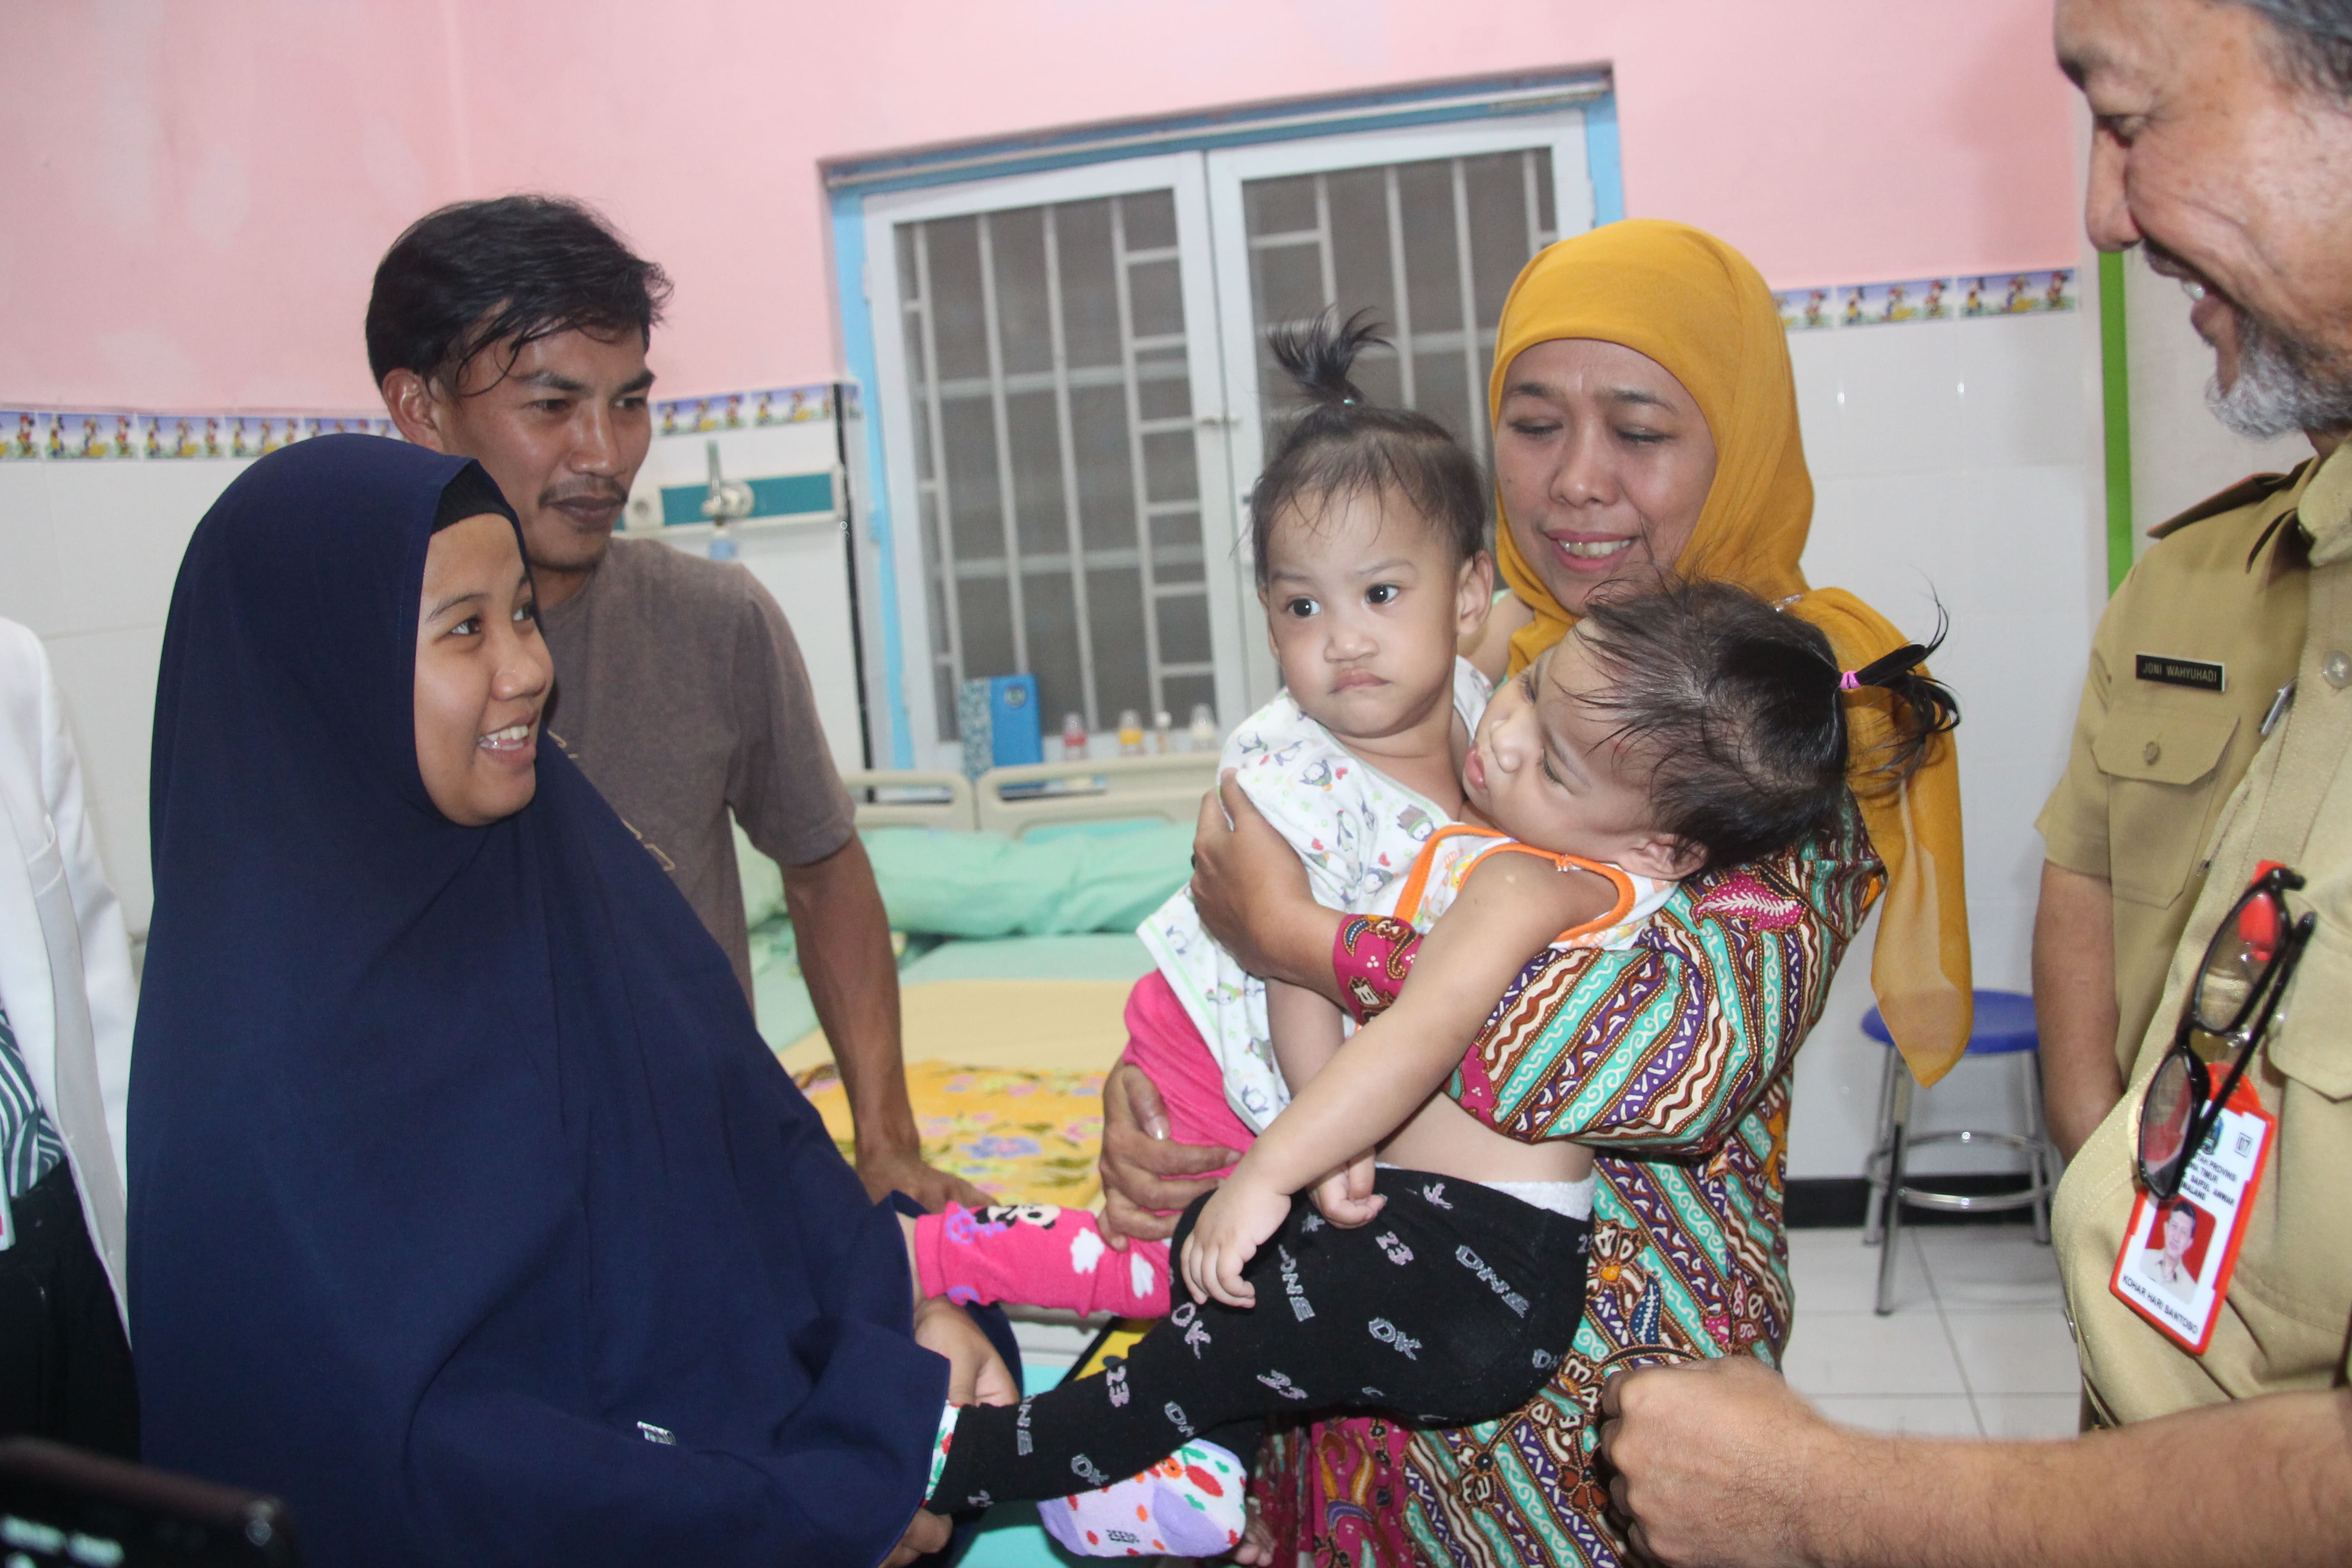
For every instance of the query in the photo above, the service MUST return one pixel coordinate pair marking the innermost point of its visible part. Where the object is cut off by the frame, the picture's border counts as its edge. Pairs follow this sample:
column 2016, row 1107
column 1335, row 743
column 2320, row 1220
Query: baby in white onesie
column 1356, row 830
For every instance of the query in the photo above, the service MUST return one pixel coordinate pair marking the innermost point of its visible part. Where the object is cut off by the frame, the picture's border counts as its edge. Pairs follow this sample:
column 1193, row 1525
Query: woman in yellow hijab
column 1645, row 419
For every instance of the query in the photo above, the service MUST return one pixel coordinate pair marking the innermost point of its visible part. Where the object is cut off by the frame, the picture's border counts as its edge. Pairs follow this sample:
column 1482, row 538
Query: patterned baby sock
column 1189, row 1504
column 941, row 1444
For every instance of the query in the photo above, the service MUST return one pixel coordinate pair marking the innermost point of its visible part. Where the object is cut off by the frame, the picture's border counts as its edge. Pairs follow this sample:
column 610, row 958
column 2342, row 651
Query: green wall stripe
column 2114, row 368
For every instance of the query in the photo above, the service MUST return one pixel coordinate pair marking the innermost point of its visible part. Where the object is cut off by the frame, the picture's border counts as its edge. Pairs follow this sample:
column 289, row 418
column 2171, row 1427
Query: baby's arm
column 1510, row 909
column 1306, row 1029
column 1307, row 1035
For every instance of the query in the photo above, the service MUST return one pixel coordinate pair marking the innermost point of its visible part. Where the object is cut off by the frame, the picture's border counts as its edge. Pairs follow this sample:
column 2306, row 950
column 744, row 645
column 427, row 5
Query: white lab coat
column 65, row 961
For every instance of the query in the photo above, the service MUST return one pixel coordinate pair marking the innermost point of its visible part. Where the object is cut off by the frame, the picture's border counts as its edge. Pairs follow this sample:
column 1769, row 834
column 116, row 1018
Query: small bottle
column 1164, row 738
column 1203, row 729
column 1130, row 733
column 721, row 547
column 1073, row 737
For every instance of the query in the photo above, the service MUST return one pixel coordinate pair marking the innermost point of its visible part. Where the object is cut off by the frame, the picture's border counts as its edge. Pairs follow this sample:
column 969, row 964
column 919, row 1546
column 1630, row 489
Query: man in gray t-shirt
column 734, row 726
column 514, row 332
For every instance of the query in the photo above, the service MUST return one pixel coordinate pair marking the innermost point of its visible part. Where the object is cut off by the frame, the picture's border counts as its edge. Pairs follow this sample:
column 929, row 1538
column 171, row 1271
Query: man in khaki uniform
column 2284, row 1324
column 2221, row 129
column 2185, row 679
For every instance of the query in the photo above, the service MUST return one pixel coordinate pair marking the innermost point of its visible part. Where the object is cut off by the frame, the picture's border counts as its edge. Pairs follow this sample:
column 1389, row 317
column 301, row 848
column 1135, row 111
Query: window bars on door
column 1057, row 485
column 1431, row 246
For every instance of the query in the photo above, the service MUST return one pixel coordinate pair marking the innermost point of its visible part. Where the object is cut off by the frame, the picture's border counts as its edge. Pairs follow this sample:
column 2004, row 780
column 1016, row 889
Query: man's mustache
column 603, row 492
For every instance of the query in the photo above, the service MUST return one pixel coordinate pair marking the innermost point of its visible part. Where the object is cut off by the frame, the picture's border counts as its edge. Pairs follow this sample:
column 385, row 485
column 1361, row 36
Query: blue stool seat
column 2003, row 1026
column 2004, row 1023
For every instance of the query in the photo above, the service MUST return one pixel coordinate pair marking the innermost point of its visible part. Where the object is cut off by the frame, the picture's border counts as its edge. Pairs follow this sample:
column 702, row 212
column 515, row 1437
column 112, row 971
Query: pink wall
column 196, row 195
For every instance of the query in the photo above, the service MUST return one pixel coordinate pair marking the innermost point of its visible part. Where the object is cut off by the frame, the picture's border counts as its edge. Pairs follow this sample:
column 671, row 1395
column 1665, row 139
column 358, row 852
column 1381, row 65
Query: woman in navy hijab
column 467, row 1210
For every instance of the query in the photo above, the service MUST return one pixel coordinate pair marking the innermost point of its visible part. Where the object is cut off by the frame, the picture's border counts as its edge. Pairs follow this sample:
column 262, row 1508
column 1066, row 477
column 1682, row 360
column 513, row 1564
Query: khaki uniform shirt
column 2154, row 759
column 2287, row 1318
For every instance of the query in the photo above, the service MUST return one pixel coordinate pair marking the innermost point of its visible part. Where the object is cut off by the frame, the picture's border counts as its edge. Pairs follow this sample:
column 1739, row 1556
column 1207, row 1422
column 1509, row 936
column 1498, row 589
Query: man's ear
column 417, row 411
column 1663, row 857
column 1473, row 596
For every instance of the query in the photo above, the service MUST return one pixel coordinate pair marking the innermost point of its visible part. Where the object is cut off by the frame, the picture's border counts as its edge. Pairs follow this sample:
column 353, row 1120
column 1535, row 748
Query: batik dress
column 1673, row 1057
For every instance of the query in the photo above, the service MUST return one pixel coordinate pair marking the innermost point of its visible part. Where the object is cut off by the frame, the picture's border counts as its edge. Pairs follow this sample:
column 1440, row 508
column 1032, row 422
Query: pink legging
column 1040, row 1256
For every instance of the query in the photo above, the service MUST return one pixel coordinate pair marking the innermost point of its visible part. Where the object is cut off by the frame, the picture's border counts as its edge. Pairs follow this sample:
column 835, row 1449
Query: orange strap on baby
column 1416, row 881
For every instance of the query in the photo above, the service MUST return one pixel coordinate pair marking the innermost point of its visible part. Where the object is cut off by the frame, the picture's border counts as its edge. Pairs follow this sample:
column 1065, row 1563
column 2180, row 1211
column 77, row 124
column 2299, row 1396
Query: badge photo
column 2179, row 1253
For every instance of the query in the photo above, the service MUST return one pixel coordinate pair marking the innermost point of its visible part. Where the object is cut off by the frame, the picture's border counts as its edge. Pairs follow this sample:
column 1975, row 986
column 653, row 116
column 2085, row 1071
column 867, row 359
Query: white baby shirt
column 1359, row 832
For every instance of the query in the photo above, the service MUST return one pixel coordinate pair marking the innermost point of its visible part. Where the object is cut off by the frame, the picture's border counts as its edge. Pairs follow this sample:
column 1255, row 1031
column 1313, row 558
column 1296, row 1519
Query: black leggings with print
column 1452, row 1306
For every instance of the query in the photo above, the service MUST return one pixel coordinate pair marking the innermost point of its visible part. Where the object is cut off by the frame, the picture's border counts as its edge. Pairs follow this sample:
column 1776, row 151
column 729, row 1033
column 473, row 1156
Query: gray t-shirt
column 681, row 694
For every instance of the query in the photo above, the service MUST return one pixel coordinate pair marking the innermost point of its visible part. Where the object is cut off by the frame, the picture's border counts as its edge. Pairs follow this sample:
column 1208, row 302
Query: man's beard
column 2281, row 385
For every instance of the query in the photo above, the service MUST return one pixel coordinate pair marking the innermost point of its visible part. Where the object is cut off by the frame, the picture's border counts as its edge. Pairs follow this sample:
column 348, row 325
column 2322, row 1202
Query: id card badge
column 2178, row 1257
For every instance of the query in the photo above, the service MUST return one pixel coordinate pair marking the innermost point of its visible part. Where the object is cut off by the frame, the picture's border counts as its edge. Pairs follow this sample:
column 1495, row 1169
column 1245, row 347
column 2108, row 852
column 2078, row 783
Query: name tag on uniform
column 2196, row 674
column 2176, row 1259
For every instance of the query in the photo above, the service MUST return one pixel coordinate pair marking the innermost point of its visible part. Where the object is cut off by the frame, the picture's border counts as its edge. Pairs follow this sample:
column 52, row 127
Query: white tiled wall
column 87, row 555
column 89, row 552
column 1954, row 461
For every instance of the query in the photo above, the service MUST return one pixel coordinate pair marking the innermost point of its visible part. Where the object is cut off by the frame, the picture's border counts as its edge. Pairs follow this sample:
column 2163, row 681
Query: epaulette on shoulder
column 2246, row 492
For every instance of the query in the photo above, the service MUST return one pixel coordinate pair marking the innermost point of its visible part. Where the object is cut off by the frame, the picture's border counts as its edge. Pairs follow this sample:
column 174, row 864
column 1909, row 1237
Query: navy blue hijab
column 467, row 1210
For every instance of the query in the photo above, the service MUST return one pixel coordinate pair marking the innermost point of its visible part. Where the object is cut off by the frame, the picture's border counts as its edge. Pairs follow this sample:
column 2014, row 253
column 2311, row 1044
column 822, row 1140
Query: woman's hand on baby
column 1346, row 1198
column 1232, row 1225
column 976, row 1374
column 1148, row 1178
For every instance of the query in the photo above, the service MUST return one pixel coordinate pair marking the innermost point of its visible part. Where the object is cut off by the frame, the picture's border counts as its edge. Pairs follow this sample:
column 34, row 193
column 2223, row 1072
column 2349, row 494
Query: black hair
column 508, row 271
column 1740, row 710
column 470, row 492
column 1341, row 443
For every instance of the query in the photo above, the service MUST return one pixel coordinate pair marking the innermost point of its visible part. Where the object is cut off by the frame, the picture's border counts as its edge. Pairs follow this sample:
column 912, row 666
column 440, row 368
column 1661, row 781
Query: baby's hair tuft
column 1342, row 444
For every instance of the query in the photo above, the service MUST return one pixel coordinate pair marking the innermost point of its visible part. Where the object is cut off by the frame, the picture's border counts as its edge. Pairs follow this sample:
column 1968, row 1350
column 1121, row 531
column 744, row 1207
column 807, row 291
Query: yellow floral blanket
column 1021, row 1134
column 1006, row 1078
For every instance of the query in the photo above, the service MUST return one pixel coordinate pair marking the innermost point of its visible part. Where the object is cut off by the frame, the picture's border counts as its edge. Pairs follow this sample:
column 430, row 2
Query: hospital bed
column 1016, row 898
column 1017, row 799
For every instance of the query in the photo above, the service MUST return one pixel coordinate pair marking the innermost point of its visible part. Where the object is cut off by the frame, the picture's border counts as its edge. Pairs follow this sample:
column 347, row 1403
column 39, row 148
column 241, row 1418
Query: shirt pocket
column 2316, row 1056
column 2162, row 767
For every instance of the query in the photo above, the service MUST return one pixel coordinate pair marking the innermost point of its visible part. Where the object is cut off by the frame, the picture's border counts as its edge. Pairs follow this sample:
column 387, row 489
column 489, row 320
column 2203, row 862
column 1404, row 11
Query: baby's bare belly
column 1446, row 1139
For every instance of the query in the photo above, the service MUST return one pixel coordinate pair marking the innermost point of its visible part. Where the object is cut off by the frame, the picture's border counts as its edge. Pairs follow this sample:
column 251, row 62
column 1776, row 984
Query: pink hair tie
column 1849, row 680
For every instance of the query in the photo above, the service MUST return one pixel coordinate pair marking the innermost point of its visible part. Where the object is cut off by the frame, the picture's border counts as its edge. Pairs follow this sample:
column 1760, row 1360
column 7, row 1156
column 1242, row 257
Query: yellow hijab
column 1696, row 306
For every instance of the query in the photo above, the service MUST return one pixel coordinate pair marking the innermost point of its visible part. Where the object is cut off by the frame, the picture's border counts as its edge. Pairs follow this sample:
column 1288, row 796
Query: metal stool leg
column 2045, row 1158
column 1891, row 1205
column 1880, row 1145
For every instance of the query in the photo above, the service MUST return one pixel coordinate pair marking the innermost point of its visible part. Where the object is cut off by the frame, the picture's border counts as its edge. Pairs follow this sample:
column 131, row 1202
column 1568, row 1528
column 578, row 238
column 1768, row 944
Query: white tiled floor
column 1977, row 1343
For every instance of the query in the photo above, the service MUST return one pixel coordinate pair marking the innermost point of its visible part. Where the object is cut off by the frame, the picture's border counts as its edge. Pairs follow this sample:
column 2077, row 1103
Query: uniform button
column 2150, row 751
column 2337, row 668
